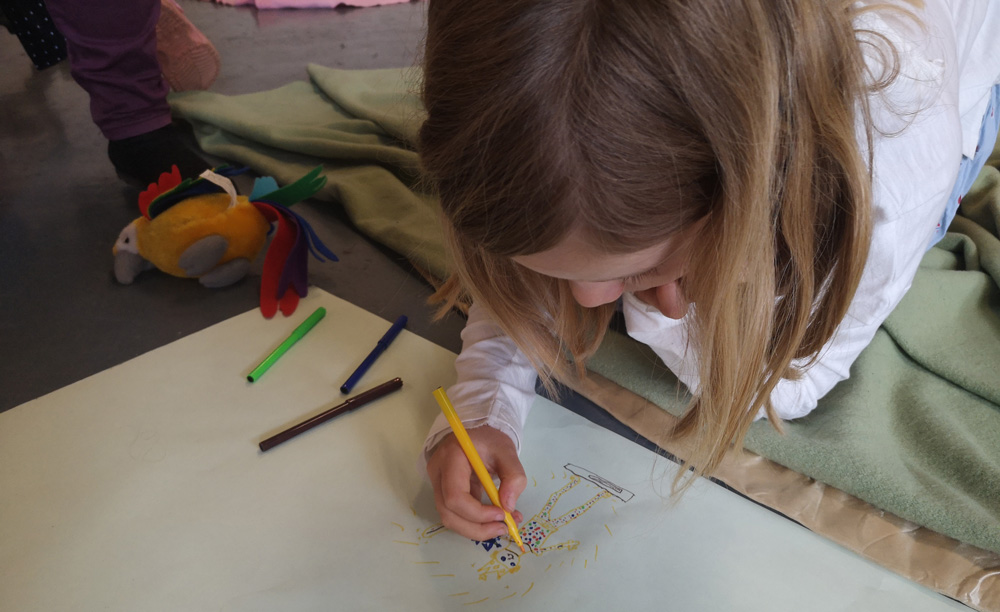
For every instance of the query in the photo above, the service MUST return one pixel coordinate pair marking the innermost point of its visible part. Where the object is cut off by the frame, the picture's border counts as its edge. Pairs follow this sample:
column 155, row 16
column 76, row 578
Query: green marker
column 296, row 335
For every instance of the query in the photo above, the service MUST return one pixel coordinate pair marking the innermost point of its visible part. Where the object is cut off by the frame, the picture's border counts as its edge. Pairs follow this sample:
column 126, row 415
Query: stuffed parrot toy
column 200, row 228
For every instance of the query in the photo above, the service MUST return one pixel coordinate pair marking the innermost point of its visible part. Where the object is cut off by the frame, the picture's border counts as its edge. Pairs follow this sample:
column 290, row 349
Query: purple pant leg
column 112, row 54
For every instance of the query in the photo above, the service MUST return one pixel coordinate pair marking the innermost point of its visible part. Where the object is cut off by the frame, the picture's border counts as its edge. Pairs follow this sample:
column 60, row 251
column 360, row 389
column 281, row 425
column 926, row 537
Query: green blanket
column 356, row 123
column 914, row 431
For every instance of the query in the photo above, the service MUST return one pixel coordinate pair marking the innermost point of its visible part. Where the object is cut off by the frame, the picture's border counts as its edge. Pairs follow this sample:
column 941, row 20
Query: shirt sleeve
column 495, row 385
column 898, row 245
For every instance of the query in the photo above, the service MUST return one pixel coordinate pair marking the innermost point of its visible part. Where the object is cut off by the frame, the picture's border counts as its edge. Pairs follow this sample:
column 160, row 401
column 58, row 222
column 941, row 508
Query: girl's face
column 596, row 277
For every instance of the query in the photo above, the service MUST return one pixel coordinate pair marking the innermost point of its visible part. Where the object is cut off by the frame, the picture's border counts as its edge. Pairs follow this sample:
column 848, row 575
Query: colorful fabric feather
column 285, row 275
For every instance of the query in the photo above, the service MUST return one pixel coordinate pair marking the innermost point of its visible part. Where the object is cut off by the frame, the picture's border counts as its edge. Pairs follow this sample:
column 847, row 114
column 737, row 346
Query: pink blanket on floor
column 280, row 4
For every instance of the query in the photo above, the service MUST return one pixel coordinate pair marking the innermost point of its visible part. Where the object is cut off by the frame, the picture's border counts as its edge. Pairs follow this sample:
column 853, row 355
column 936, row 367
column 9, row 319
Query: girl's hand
column 457, row 491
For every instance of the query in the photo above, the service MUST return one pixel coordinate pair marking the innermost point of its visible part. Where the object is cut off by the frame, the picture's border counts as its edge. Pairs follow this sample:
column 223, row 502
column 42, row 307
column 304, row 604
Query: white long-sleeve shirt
column 927, row 120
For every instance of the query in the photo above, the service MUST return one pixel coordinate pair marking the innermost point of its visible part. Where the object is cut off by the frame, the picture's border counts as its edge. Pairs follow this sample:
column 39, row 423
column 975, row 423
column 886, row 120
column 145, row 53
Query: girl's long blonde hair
column 630, row 120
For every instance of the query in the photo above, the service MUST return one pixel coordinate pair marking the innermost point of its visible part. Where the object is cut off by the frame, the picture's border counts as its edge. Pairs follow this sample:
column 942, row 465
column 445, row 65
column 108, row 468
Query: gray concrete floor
column 62, row 315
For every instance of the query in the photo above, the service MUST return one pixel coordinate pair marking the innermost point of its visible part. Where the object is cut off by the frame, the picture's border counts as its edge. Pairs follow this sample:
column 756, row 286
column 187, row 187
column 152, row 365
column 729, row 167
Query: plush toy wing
column 203, row 255
column 285, row 277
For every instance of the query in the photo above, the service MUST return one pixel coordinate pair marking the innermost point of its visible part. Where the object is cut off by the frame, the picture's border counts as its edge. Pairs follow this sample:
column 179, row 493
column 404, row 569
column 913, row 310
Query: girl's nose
column 668, row 299
column 671, row 300
column 590, row 295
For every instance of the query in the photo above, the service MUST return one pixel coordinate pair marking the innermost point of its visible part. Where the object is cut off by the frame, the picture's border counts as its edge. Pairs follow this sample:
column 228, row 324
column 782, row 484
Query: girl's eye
column 635, row 279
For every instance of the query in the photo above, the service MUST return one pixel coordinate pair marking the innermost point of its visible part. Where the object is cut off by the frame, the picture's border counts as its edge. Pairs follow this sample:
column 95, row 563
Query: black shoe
column 140, row 160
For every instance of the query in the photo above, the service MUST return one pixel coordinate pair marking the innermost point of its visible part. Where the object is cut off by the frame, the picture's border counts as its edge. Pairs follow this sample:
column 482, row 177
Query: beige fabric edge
column 968, row 574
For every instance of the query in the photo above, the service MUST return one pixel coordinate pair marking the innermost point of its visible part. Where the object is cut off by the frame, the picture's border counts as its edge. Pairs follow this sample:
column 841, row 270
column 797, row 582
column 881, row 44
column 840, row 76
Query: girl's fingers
column 476, row 491
column 469, row 529
column 456, row 494
column 512, row 480
column 477, row 527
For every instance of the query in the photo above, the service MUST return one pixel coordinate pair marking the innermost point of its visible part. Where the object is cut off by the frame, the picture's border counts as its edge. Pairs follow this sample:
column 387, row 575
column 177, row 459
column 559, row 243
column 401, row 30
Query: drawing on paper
column 551, row 531
column 536, row 531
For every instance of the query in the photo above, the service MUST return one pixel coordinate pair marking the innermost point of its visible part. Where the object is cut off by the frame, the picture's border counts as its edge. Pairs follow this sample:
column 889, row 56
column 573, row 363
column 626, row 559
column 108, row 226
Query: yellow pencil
column 477, row 464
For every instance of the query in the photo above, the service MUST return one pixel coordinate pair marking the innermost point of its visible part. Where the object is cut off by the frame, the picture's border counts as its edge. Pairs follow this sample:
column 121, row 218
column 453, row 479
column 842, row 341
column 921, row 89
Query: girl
column 754, row 181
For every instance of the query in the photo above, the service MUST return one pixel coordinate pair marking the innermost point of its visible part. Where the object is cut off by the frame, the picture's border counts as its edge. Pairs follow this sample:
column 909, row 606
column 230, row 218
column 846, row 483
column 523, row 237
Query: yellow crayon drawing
column 432, row 531
column 536, row 531
column 502, row 561
column 539, row 534
column 539, row 528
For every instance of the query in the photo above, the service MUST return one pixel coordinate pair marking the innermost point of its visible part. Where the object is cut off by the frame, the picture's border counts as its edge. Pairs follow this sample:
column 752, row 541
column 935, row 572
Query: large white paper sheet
column 142, row 488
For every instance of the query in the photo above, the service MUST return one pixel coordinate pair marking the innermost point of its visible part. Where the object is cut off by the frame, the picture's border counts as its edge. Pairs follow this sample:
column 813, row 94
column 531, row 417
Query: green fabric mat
column 914, row 431
column 355, row 123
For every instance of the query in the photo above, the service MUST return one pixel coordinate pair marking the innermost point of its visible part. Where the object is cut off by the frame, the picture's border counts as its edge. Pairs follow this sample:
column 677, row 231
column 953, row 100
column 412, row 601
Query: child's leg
column 577, row 512
column 547, row 508
column 29, row 20
column 112, row 54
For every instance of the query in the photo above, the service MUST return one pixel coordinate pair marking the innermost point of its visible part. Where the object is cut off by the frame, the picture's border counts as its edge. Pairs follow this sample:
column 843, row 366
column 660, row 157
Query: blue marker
column 378, row 350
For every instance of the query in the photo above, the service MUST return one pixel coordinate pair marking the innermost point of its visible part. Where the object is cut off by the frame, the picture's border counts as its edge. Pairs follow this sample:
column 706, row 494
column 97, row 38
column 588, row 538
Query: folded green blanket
column 914, row 431
column 357, row 124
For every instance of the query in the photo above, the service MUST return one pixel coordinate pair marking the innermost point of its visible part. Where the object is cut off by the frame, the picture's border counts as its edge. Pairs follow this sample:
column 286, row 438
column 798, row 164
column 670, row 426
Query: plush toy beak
column 128, row 266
